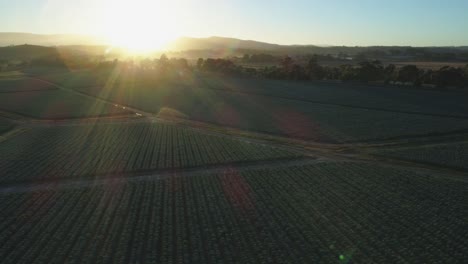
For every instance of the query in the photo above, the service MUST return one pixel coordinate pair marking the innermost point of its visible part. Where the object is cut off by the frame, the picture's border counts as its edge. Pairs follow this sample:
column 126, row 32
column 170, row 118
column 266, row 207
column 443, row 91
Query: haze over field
column 304, row 131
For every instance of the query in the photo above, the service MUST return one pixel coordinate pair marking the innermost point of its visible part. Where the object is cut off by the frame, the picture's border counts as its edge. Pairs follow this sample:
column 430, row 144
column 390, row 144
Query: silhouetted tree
column 465, row 75
column 408, row 73
column 315, row 71
column 297, row 73
column 449, row 76
column 163, row 61
column 180, row 64
column 199, row 63
column 369, row 71
column 428, row 77
column 347, row 72
column 287, row 63
column 389, row 73
column 263, row 58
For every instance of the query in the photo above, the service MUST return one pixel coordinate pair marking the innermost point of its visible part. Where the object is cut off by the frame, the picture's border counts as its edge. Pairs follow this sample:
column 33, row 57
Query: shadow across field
column 320, row 112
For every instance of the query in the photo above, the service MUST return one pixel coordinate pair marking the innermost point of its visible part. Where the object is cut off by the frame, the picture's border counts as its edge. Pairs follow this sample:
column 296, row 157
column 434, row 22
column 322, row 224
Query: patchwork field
column 124, row 139
column 93, row 150
column 144, row 191
column 56, row 104
column 322, row 213
column 450, row 155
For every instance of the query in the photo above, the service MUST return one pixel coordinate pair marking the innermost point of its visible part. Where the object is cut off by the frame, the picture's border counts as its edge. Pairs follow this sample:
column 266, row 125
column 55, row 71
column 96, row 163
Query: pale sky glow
column 144, row 23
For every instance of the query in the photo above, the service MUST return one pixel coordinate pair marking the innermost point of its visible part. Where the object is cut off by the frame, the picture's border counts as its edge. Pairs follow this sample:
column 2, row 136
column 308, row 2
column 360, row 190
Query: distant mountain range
column 12, row 38
column 183, row 43
column 193, row 47
column 187, row 43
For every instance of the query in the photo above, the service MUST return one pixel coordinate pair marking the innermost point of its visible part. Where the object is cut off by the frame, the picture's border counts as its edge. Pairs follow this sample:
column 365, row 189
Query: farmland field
column 354, row 95
column 149, row 190
column 90, row 150
column 5, row 125
column 450, row 155
column 55, row 104
column 326, row 123
column 320, row 112
column 349, row 94
column 321, row 213
column 23, row 85
column 126, row 139
column 75, row 79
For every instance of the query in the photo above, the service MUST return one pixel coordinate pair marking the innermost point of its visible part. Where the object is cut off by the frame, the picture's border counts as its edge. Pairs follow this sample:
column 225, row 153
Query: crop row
column 321, row 213
column 450, row 155
column 74, row 151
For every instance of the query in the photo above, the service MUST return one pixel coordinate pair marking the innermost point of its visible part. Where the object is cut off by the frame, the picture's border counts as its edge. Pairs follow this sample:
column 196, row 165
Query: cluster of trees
column 365, row 71
column 305, row 68
column 260, row 58
column 220, row 65
column 163, row 63
column 301, row 59
column 415, row 53
column 46, row 61
column 368, row 53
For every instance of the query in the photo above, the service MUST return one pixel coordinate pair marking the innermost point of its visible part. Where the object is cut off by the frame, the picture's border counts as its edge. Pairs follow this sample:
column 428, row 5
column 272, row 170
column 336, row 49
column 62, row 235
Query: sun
column 140, row 25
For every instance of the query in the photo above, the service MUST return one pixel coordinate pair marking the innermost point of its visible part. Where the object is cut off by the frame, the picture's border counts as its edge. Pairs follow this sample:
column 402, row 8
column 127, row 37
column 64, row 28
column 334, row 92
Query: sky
column 330, row 22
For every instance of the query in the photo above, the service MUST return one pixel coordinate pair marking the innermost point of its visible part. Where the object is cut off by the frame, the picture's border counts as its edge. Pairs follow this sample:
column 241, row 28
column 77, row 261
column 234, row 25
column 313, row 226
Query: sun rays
column 140, row 26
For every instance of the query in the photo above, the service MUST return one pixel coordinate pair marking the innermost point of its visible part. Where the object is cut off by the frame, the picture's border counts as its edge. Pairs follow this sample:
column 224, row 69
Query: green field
column 23, row 85
column 320, row 112
column 5, row 125
column 291, row 118
column 78, row 79
column 128, row 136
column 145, row 190
column 91, row 150
column 56, row 104
column 449, row 103
column 322, row 213
column 449, row 155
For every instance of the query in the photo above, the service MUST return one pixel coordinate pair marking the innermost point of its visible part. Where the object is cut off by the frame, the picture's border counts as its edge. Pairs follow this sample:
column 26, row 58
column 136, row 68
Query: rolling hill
column 14, row 38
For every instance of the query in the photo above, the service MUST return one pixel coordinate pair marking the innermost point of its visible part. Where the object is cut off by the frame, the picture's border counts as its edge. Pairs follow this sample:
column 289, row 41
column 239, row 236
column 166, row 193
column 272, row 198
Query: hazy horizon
column 337, row 23
column 104, row 43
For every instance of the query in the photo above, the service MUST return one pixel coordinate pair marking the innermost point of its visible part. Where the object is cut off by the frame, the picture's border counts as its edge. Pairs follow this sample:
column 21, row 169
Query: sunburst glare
column 140, row 26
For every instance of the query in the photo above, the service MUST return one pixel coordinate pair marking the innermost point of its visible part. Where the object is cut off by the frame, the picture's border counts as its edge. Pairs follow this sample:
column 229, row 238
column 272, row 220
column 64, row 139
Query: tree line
column 286, row 68
column 365, row 71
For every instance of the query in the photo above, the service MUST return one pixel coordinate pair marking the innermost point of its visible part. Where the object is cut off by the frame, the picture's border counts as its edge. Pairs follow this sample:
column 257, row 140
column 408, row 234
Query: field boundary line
column 420, row 162
column 125, row 177
column 118, row 105
column 9, row 134
column 433, row 170
column 27, row 91
column 342, row 105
